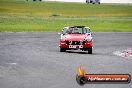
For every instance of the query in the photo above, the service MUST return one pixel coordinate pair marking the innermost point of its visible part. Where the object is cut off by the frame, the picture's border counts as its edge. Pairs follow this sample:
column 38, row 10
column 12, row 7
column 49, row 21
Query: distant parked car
column 93, row 1
column 76, row 37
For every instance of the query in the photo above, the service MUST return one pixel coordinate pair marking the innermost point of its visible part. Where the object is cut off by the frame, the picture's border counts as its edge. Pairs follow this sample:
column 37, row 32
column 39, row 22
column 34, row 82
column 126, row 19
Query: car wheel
column 90, row 51
column 62, row 50
column 87, row 2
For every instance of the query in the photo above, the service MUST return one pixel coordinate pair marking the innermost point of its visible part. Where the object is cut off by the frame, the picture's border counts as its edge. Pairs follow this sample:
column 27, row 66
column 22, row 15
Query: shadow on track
column 78, row 52
column 85, row 52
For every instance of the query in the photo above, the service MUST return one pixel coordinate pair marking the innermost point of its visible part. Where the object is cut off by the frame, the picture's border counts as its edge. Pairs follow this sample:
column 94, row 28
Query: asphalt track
column 33, row 60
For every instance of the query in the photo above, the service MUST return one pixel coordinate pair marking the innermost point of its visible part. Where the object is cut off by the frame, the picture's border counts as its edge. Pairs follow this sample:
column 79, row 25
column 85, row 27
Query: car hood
column 75, row 37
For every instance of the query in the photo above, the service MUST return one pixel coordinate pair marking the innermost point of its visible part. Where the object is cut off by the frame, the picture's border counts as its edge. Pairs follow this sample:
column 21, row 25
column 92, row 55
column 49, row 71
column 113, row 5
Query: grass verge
column 22, row 16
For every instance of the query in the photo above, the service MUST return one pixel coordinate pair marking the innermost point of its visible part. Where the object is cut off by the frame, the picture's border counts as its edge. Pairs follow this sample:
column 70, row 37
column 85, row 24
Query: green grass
column 19, row 16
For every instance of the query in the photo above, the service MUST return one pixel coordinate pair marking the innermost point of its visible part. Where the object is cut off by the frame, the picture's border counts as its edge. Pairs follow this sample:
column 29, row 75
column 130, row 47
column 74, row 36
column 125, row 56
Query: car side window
column 64, row 31
column 86, row 30
column 67, row 31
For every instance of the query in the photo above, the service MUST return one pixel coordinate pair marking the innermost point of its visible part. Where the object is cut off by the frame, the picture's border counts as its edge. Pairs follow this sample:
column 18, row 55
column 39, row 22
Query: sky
column 102, row 1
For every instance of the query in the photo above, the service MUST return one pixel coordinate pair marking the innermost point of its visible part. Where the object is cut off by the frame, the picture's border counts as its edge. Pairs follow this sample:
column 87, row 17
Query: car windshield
column 76, row 30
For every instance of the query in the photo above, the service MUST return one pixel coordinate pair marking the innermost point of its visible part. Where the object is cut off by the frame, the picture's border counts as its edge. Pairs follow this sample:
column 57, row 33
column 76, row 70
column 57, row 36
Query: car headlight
column 62, row 37
column 88, row 38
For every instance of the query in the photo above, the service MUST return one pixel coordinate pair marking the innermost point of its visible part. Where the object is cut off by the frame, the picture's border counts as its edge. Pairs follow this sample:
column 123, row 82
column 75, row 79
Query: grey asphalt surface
column 33, row 60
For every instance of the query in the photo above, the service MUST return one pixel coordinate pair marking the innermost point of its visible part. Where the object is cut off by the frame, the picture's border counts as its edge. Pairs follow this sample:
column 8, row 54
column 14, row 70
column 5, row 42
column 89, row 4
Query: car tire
column 87, row 2
column 90, row 51
column 62, row 50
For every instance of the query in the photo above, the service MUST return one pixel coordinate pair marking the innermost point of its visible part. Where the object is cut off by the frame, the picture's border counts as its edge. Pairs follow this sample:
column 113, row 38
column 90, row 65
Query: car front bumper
column 64, row 45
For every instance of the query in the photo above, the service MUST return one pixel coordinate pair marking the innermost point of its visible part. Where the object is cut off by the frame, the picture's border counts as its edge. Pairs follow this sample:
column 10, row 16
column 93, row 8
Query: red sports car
column 76, row 37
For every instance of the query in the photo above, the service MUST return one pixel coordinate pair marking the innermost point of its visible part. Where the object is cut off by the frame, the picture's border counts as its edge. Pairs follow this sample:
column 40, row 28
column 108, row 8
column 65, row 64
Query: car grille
column 75, row 42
